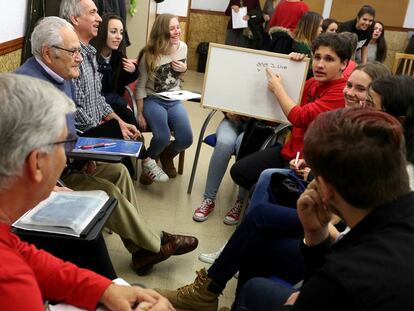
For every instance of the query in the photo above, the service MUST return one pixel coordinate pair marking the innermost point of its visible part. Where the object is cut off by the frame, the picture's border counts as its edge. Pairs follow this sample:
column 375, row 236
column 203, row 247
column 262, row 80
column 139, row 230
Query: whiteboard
column 210, row 5
column 235, row 81
column 12, row 19
column 176, row 7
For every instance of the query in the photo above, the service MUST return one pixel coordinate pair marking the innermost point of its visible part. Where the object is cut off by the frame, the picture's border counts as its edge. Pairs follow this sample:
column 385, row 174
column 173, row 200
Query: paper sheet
column 237, row 18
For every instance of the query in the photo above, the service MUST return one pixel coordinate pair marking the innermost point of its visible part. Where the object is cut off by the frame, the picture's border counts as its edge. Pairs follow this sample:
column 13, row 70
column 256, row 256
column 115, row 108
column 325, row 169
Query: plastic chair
column 403, row 64
column 130, row 98
column 211, row 141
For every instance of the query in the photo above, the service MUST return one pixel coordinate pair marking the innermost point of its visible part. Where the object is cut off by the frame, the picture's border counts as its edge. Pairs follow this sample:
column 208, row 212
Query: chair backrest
column 403, row 64
column 129, row 97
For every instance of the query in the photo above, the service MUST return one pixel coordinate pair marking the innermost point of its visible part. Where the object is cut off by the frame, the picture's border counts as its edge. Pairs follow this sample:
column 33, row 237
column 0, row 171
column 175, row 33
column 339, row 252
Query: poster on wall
column 210, row 5
column 176, row 7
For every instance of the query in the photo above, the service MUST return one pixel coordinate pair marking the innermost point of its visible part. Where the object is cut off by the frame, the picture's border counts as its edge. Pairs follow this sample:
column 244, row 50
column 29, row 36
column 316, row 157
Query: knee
column 162, row 138
column 226, row 143
column 187, row 140
column 236, row 173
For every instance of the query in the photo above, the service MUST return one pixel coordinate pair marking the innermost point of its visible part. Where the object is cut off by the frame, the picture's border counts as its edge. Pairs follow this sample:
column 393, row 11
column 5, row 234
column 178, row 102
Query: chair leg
column 197, row 154
column 181, row 157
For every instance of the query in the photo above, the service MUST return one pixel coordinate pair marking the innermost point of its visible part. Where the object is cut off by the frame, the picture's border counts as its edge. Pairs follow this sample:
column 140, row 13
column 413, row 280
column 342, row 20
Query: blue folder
column 122, row 147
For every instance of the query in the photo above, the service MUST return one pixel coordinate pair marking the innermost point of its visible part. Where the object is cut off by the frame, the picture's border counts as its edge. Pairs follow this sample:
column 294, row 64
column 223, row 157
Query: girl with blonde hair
column 161, row 65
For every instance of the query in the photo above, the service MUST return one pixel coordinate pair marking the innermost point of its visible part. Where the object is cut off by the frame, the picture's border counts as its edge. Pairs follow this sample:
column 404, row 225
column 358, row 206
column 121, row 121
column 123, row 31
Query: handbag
column 286, row 188
column 255, row 135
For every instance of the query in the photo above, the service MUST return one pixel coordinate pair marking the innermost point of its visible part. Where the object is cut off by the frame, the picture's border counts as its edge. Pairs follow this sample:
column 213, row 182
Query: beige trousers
column 127, row 219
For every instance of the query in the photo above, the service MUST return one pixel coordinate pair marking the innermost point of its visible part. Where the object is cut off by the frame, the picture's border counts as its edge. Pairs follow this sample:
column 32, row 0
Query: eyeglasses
column 75, row 51
column 69, row 143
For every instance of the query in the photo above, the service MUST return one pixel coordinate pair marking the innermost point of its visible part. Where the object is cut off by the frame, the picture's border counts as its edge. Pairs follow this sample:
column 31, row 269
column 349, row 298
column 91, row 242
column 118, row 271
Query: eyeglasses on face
column 69, row 143
column 74, row 52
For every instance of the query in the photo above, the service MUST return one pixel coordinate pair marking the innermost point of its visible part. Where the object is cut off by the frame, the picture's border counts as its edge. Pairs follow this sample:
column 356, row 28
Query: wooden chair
column 129, row 96
column 403, row 64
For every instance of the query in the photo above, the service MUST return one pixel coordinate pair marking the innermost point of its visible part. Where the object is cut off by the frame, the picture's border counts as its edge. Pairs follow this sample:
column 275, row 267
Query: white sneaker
column 153, row 171
column 210, row 257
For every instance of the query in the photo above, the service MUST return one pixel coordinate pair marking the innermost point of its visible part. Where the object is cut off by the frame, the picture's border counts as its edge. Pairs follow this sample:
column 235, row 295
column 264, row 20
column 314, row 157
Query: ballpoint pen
column 100, row 145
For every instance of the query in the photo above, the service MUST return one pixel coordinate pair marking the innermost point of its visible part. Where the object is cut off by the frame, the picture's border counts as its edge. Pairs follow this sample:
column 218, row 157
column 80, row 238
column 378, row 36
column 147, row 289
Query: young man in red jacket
column 323, row 92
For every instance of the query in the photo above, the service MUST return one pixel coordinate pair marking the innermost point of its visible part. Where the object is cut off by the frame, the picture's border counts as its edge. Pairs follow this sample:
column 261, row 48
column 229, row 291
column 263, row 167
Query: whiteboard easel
column 236, row 81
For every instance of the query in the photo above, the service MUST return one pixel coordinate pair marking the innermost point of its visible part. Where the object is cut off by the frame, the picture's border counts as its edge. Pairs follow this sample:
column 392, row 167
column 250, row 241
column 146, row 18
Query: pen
column 100, row 145
column 297, row 158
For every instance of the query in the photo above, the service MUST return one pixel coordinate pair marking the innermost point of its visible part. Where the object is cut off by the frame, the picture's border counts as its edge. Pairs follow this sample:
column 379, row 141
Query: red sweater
column 28, row 276
column 349, row 68
column 288, row 14
column 316, row 98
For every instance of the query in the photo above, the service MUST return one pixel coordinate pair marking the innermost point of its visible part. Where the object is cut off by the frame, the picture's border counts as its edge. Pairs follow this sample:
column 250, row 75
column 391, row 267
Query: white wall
column 12, row 19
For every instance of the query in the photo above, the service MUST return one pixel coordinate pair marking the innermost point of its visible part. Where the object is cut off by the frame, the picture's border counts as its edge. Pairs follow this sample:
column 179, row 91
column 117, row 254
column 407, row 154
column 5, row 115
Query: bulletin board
column 315, row 5
column 390, row 12
column 210, row 5
column 236, row 81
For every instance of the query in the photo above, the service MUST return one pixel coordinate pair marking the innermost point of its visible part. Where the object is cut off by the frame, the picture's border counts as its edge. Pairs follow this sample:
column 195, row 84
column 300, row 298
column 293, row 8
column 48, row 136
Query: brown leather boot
column 167, row 161
column 201, row 295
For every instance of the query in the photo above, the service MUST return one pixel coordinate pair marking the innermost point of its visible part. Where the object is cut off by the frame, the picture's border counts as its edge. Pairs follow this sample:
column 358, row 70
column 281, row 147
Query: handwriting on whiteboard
column 263, row 65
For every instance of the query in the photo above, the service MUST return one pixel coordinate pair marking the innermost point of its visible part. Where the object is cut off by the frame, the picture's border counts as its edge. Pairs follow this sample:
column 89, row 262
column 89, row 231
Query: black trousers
column 92, row 255
column 246, row 171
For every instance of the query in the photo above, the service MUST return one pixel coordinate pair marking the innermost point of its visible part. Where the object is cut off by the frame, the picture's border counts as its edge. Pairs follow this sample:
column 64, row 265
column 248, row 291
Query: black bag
column 202, row 50
column 286, row 188
column 255, row 135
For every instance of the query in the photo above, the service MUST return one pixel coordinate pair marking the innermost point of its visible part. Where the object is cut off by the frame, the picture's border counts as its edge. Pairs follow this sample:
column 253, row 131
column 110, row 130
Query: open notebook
column 64, row 212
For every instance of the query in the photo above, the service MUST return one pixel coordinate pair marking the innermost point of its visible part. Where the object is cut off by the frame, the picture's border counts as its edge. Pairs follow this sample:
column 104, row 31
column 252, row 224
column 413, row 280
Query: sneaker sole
column 206, row 259
column 199, row 219
column 230, row 222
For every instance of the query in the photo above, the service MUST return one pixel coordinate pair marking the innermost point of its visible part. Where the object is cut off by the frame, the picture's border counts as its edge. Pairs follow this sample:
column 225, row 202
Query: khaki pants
column 127, row 219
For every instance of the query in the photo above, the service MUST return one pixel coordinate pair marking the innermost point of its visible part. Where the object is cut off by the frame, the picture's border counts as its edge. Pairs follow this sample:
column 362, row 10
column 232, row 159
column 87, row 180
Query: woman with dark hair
column 329, row 25
column 117, row 72
column 362, row 26
column 395, row 95
column 377, row 47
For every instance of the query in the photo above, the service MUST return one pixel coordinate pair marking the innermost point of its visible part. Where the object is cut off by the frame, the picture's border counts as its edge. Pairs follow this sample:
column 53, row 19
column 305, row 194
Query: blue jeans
column 262, row 294
column 229, row 136
column 266, row 243
column 163, row 117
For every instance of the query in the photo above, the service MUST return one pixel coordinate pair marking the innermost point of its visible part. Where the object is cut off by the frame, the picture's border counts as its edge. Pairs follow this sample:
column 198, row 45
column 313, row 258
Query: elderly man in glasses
column 32, row 114
column 59, row 66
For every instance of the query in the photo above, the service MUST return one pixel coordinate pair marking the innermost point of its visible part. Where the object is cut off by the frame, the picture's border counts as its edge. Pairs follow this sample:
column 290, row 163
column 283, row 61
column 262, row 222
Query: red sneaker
column 233, row 215
column 202, row 212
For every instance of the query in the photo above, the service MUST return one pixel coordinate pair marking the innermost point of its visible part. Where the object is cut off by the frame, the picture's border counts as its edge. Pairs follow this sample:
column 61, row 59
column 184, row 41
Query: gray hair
column 69, row 8
column 48, row 33
column 32, row 116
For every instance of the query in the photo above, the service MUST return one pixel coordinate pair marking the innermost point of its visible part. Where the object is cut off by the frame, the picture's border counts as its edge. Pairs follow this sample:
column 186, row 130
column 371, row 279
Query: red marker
column 100, row 145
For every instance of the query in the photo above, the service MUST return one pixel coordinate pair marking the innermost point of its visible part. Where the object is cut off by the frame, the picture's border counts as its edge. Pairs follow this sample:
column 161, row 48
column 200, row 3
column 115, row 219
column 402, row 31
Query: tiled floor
column 169, row 207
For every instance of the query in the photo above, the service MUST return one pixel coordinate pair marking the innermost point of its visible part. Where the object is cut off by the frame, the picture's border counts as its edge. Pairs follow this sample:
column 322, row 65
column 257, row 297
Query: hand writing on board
column 274, row 81
column 297, row 56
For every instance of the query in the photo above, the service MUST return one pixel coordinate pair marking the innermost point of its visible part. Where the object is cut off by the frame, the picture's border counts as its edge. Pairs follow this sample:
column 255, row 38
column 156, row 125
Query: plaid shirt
column 91, row 105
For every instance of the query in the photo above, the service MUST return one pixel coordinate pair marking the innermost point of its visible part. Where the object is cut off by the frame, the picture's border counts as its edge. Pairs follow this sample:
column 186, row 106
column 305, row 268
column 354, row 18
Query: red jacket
column 316, row 98
column 28, row 276
column 288, row 14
